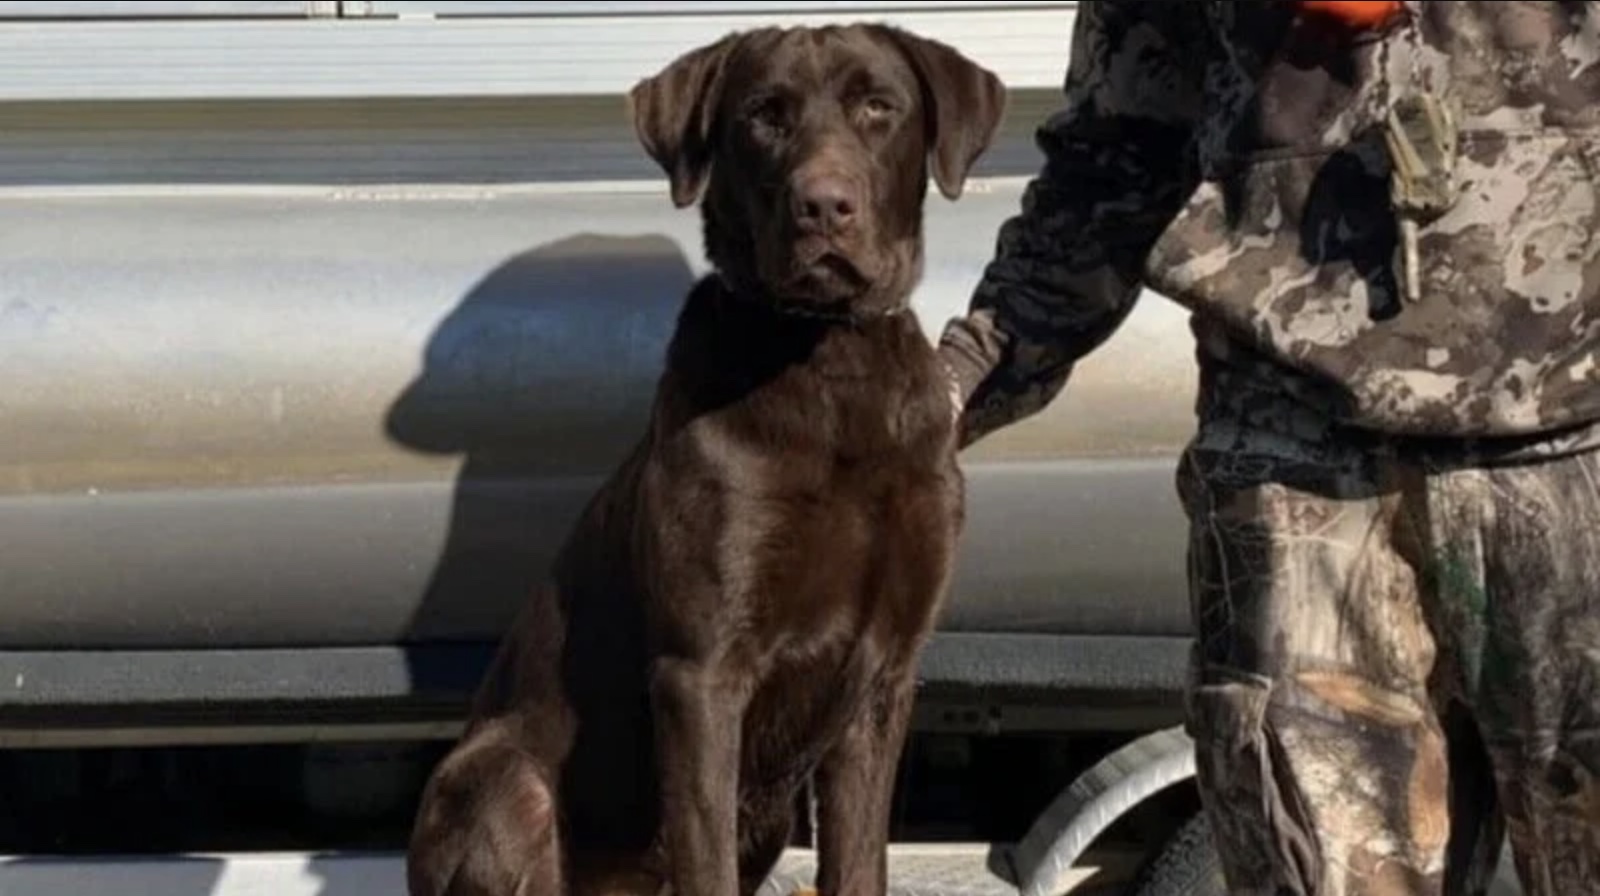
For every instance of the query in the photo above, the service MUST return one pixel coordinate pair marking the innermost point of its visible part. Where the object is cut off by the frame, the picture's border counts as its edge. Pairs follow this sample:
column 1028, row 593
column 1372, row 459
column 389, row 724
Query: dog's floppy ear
column 674, row 112
column 963, row 103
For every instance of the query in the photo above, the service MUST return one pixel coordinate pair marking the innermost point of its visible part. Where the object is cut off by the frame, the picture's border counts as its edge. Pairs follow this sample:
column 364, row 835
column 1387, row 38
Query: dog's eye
column 769, row 112
column 877, row 107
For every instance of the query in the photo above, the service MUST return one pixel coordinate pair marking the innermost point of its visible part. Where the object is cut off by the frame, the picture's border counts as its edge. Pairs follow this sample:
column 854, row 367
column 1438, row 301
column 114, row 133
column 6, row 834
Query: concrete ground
column 915, row 870
column 958, row 870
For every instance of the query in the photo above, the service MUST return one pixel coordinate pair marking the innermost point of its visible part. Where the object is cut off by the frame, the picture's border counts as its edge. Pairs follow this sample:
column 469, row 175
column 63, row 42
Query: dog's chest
column 847, row 512
column 869, row 394
column 841, row 589
column 820, row 506
column 843, row 459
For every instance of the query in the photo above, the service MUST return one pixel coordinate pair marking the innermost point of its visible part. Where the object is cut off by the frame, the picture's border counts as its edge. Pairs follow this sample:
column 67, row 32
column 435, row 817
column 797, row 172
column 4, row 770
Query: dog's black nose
column 825, row 202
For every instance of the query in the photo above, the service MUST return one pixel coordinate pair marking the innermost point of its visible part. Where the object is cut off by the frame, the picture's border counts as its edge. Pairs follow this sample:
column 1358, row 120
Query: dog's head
column 811, row 148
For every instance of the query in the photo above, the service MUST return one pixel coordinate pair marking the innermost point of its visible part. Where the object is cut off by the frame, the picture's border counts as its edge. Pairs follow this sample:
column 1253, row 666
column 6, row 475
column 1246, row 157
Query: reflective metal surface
column 309, row 416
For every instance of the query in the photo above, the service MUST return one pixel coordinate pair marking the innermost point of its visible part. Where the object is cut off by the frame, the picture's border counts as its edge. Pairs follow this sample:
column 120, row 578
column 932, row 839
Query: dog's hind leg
column 487, row 827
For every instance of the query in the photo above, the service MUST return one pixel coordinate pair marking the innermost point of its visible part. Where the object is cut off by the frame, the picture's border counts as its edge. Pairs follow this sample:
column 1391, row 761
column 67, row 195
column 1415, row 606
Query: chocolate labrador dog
column 741, row 606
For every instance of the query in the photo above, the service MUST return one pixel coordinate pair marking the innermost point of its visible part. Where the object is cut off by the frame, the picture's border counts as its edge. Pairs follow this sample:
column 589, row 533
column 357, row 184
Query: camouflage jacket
column 1227, row 155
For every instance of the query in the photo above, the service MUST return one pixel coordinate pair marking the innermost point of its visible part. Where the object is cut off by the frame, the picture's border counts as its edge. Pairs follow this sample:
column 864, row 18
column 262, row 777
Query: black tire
column 1186, row 866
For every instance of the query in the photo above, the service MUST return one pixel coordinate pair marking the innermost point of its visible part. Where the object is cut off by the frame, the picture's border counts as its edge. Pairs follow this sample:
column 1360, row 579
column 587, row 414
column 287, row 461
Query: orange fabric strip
column 1354, row 13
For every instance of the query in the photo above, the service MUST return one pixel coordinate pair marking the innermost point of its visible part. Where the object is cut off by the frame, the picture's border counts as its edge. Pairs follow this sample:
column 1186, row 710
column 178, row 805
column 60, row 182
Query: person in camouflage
column 1394, row 499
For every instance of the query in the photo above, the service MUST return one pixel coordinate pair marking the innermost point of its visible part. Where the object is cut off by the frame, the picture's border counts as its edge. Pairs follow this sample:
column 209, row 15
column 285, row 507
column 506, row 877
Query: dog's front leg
column 697, row 717
column 855, row 788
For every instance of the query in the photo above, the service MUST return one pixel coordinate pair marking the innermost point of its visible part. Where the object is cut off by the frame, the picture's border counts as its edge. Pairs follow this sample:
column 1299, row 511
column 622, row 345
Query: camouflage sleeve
column 1117, row 168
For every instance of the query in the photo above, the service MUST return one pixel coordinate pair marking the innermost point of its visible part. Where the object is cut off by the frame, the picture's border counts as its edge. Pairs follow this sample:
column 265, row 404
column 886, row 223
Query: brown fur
column 741, row 606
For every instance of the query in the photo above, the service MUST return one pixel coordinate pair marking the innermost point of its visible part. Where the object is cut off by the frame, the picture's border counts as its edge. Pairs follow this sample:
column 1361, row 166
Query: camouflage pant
column 1397, row 663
